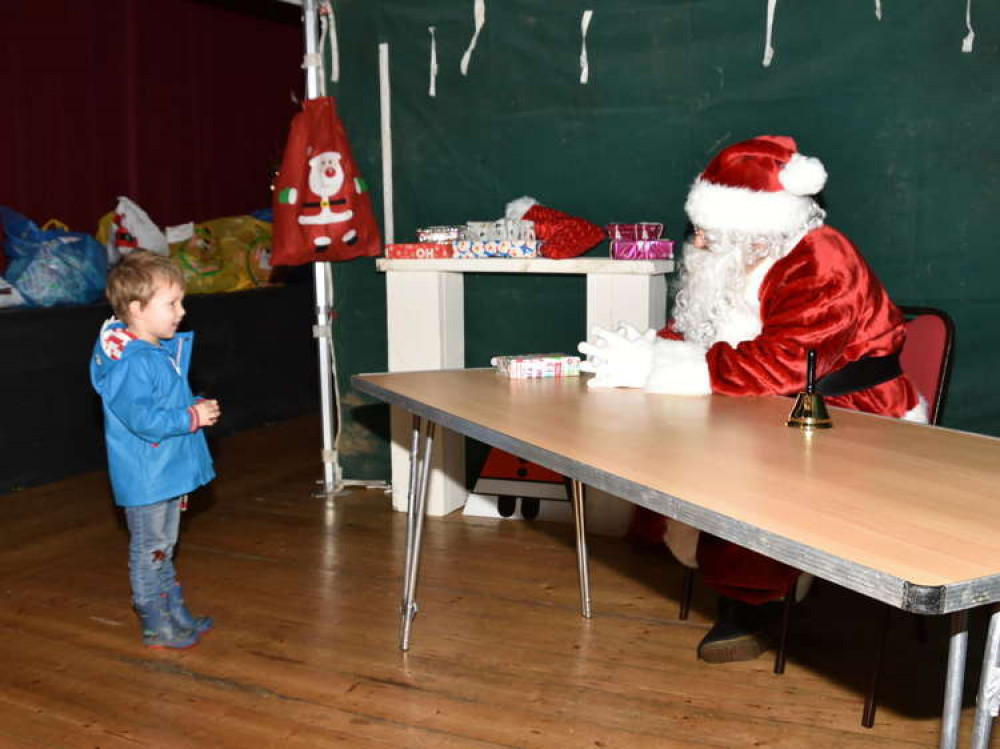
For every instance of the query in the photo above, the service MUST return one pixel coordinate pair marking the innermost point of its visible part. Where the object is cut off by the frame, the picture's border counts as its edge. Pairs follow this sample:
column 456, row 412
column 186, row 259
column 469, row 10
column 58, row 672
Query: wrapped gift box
column 441, row 234
column 537, row 365
column 641, row 230
column 642, row 249
column 420, row 250
column 515, row 230
column 502, row 248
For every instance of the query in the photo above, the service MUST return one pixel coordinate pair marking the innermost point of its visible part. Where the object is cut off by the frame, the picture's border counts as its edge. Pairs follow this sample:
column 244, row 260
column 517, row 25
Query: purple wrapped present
column 641, row 230
column 642, row 249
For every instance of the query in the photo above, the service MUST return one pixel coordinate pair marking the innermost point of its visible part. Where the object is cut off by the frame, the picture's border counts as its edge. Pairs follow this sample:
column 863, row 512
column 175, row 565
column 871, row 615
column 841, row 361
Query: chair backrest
column 926, row 354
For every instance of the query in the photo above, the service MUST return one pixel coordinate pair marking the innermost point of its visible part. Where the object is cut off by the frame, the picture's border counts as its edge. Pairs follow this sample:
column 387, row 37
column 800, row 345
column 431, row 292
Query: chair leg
column 868, row 716
column 786, row 619
column 686, row 593
column 920, row 622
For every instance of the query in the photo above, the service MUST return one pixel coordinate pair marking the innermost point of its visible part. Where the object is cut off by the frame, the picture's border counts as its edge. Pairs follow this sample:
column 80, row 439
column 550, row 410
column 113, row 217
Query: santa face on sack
column 326, row 181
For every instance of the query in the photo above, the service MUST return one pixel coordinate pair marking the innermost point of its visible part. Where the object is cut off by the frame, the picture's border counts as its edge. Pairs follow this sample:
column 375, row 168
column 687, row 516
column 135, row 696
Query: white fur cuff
column 682, row 540
column 919, row 413
column 679, row 368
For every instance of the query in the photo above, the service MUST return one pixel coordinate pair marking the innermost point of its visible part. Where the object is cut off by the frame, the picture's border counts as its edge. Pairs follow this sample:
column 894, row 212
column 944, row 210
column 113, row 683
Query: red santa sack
column 322, row 209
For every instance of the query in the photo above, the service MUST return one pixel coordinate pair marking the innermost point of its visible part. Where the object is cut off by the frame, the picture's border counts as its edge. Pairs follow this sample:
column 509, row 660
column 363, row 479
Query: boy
column 157, row 452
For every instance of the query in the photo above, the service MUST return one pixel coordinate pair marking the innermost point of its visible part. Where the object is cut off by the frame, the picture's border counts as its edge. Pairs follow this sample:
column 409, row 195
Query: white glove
column 618, row 359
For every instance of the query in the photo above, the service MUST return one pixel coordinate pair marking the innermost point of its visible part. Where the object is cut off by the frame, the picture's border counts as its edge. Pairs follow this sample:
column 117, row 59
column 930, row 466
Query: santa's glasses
column 752, row 246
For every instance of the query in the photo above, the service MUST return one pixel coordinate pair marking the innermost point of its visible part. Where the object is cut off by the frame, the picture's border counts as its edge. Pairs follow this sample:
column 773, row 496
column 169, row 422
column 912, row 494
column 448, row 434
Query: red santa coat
column 821, row 296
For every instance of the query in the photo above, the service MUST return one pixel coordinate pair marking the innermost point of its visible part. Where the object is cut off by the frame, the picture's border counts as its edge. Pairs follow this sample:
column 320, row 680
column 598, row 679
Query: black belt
column 860, row 375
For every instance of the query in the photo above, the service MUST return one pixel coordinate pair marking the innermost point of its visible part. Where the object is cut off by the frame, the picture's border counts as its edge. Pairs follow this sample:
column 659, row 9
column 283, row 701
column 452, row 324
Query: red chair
column 926, row 355
column 926, row 360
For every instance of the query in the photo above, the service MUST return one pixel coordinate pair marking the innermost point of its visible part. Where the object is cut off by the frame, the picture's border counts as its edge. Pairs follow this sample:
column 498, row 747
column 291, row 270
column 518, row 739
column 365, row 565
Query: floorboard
column 306, row 593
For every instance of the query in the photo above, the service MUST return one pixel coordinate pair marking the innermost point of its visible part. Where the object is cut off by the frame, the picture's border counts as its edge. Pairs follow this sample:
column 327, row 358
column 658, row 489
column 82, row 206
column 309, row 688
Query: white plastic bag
column 9, row 296
column 132, row 228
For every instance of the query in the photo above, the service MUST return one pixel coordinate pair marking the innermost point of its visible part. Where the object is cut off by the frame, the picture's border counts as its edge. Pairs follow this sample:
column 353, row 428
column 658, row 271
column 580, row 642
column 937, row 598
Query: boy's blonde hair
column 136, row 277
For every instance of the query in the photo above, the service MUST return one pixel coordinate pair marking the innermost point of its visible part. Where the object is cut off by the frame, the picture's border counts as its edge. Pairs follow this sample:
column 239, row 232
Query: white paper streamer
column 385, row 128
column 768, row 49
column 480, row 15
column 432, row 86
column 334, row 48
column 327, row 29
column 971, row 36
column 584, row 64
column 878, row 9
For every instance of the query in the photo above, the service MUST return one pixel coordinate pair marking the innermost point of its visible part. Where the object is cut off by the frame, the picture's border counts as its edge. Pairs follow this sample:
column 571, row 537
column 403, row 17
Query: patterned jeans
column 153, row 534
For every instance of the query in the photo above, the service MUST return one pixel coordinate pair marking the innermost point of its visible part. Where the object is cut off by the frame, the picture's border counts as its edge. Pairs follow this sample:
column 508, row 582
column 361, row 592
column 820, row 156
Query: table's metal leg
column 411, row 494
column 576, row 492
column 420, row 472
column 988, row 699
column 954, row 680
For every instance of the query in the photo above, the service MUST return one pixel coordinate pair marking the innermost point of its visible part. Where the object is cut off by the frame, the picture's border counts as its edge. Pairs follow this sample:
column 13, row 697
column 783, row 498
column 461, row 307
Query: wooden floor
column 304, row 654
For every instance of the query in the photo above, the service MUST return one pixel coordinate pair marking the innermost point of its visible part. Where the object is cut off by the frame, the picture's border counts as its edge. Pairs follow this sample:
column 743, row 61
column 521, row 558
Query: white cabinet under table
column 426, row 321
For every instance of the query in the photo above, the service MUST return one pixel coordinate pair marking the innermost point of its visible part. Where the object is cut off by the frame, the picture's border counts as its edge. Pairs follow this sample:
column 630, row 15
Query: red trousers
column 727, row 568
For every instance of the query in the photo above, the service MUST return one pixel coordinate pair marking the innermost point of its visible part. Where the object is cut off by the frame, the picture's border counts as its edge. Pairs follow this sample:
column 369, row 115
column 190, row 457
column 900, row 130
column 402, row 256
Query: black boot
column 739, row 633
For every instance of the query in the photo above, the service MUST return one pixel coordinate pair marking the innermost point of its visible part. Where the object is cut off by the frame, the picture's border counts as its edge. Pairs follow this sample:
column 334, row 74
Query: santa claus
column 764, row 280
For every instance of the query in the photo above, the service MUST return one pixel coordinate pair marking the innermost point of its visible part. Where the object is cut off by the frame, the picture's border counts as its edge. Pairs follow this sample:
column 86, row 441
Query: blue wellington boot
column 180, row 614
column 159, row 629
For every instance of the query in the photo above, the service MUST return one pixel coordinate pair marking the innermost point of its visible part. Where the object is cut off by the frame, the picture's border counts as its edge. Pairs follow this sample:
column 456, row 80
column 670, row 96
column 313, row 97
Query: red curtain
column 181, row 105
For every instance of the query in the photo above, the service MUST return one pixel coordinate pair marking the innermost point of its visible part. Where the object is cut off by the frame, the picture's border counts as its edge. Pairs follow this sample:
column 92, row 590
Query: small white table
column 426, row 321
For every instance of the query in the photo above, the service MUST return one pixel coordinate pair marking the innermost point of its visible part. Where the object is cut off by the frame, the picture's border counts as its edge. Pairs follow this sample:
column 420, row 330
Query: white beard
column 718, row 297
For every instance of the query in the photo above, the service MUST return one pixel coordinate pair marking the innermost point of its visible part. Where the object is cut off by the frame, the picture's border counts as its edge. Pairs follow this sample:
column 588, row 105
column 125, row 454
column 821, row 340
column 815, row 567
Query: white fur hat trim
column 712, row 206
column 517, row 208
column 803, row 175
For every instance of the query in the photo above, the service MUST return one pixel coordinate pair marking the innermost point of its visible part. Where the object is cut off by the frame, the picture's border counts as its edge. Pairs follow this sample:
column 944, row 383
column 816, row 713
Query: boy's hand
column 208, row 412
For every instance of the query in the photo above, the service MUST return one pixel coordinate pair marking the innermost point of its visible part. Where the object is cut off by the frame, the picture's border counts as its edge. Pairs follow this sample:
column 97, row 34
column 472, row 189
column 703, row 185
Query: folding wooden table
column 904, row 513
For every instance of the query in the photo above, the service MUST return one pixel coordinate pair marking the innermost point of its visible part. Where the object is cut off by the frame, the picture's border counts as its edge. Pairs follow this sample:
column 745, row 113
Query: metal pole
column 322, row 279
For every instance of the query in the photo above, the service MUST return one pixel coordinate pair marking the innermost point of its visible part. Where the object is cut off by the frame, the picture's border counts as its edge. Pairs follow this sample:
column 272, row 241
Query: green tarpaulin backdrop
column 902, row 118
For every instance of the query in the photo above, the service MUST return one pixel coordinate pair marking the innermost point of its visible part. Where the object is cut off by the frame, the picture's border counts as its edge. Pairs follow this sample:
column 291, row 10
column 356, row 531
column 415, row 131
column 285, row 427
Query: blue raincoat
column 155, row 449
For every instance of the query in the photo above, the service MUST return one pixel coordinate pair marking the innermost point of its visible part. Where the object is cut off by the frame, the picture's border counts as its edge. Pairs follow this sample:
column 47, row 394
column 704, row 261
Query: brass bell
column 809, row 411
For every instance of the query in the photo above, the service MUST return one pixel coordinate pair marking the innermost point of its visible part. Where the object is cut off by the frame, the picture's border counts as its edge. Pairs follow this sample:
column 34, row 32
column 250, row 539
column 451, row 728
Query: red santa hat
column 760, row 186
column 562, row 235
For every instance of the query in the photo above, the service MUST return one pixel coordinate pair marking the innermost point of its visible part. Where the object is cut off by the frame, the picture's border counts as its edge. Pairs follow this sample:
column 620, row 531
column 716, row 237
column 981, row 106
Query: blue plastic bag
column 52, row 266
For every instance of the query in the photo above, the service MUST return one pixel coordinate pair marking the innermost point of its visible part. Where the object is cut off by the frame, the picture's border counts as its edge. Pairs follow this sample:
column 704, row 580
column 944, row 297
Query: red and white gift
column 420, row 250
column 537, row 365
